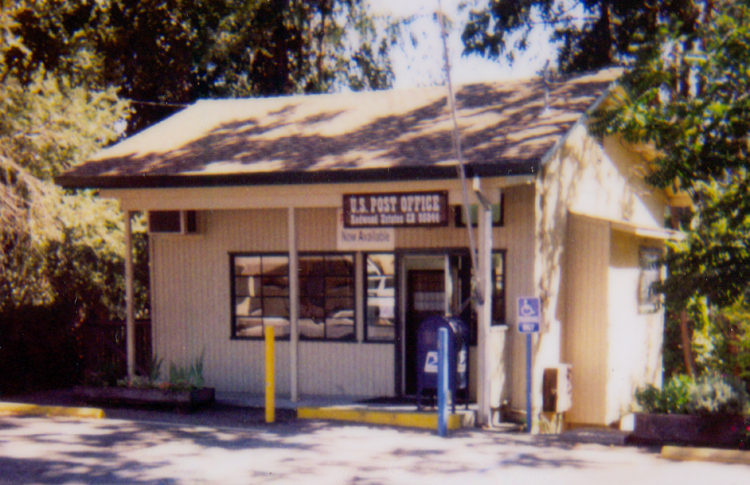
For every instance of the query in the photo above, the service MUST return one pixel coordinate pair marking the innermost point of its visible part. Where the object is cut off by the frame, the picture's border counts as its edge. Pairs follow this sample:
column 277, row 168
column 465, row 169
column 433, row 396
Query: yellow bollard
column 270, row 375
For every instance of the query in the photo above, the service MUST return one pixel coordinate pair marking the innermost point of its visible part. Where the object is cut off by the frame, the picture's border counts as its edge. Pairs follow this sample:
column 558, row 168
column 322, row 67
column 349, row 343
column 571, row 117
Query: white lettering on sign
column 431, row 362
column 393, row 210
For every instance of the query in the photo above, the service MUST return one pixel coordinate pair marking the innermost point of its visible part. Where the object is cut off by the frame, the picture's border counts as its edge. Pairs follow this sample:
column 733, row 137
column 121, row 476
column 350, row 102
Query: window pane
column 339, row 265
column 275, row 265
column 276, row 315
column 340, row 318
column 280, row 326
column 313, row 286
column 247, row 307
column 338, row 286
column 311, row 265
column 249, row 327
column 311, row 329
column 498, row 297
column 381, row 297
column 312, row 308
column 247, row 286
column 246, row 265
column 275, row 286
column 276, row 307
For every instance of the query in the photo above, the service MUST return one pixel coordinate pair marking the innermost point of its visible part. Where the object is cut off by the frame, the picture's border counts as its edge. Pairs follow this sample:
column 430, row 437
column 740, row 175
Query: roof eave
column 389, row 174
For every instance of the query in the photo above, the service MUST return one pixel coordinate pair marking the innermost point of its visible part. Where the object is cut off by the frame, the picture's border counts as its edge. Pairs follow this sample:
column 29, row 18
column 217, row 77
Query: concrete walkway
column 37, row 450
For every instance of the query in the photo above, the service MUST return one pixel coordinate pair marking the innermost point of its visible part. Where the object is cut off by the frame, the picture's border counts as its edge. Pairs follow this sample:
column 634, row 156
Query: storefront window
column 381, row 297
column 261, row 296
column 326, row 296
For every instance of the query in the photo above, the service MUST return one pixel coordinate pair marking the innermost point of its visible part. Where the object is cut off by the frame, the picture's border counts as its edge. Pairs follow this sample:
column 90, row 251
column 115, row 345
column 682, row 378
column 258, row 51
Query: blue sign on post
column 528, row 315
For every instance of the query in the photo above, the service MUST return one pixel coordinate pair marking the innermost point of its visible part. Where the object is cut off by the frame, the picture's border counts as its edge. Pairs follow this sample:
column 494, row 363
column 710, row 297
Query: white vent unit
column 173, row 222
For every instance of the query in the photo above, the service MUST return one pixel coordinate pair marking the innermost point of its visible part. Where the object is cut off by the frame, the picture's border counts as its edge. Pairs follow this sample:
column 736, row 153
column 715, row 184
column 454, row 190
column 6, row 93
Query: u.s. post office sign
column 398, row 209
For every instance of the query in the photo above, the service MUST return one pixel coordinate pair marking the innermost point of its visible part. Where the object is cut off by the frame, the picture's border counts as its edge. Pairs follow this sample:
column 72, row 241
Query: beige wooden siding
column 518, row 238
column 585, row 342
column 316, row 229
column 193, row 308
column 346, row 369
column 635, row 338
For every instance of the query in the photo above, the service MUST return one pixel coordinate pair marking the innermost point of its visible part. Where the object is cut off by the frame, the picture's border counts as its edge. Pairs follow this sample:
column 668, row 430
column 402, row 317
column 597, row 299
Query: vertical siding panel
column 585, row 336
column 192, row 288
column 316, row 229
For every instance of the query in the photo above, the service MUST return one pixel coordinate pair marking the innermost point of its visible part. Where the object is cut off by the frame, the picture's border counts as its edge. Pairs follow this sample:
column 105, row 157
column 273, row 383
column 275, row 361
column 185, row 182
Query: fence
column 104, row 350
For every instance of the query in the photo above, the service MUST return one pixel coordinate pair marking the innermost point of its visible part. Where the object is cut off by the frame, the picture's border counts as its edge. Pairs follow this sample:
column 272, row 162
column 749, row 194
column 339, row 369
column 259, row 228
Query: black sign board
column 403, row 209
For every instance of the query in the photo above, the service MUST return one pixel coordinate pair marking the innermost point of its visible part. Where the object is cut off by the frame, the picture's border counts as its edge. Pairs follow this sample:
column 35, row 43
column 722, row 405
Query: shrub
column 709, row 394
column 672, row 399
column 715, row 394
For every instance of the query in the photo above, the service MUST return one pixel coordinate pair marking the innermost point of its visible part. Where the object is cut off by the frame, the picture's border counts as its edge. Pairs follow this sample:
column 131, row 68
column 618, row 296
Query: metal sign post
column 443, row 385
column 528, row 318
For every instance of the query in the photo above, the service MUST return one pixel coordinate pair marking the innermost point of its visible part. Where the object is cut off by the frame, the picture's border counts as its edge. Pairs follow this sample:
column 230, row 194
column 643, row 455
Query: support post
column 443, row 382
column 529, row 417
column 293, row 305
column 270, row 376
column 484, row 314
column 129, row 295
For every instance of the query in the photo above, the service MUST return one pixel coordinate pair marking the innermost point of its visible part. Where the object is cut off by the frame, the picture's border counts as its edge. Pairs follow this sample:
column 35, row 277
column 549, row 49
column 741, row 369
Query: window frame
column 365, row 297
column 327, row 298
column 504, row 322
column 233, row 256
column 233, row 293
column 458, row 214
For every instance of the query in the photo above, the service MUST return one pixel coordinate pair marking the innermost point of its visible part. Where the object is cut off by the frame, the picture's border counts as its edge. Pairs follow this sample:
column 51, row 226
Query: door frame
column 402, row 268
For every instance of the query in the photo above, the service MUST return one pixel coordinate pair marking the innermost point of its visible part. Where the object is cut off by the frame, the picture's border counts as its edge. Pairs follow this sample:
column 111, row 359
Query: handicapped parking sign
column 528, row 314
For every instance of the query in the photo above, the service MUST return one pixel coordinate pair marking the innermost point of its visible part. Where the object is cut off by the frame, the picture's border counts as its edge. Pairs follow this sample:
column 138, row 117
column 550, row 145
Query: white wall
column 599, row 180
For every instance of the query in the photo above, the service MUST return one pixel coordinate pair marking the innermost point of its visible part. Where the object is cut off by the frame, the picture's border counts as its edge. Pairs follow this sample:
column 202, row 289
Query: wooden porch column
column 129, row 294
column 293, row 304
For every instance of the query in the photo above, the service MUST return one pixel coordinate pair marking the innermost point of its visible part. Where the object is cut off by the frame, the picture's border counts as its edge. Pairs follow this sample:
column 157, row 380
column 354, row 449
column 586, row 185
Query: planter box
column 685, row 429
column 158, row 397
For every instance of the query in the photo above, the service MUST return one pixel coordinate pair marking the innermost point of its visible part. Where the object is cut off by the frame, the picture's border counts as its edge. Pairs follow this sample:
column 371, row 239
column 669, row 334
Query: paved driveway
column 118, row 451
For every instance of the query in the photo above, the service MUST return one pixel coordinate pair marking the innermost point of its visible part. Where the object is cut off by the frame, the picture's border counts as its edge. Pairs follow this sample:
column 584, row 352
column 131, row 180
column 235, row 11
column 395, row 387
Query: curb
column 402, row 419
column 705, row 454
column 19, row 409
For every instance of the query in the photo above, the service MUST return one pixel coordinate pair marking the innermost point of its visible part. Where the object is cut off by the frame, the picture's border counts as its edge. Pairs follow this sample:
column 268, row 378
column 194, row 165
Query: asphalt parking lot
column 233, row 446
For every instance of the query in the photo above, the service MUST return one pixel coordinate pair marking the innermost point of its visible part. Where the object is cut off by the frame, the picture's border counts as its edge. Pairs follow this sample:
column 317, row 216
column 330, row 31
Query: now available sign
column 397, row 209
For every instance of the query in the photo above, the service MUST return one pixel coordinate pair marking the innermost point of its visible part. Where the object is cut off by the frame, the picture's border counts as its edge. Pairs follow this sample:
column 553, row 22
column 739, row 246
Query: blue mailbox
column 427, row 355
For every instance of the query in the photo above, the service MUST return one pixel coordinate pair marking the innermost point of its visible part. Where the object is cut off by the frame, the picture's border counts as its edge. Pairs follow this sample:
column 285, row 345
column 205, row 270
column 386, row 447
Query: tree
column 686, row 98
column 164, row 54
column 55, row 116
column 689, row 102
column 591, row 34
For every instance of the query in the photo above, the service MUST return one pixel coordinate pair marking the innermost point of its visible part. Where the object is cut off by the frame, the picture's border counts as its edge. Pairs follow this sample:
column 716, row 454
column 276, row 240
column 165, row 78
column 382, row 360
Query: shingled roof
column 379, row 135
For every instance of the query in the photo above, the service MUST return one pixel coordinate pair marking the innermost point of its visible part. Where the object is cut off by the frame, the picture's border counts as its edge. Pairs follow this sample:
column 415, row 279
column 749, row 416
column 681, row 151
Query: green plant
column 187, row 377
column 716, row 394
column 673, row 398
column 154, row 368
column 711, row 393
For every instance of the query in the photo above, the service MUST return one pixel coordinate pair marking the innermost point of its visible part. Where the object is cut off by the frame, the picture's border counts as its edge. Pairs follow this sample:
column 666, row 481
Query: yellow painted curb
column 705, row 454
column 18, row 409
column 408, row 420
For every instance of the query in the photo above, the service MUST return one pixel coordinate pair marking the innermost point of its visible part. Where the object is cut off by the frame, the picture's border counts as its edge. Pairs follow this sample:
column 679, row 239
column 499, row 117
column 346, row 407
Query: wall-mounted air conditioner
column 173, row 222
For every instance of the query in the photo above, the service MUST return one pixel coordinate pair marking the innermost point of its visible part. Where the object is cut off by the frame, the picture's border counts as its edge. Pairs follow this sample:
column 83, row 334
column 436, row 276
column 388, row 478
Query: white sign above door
column 363, row 239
